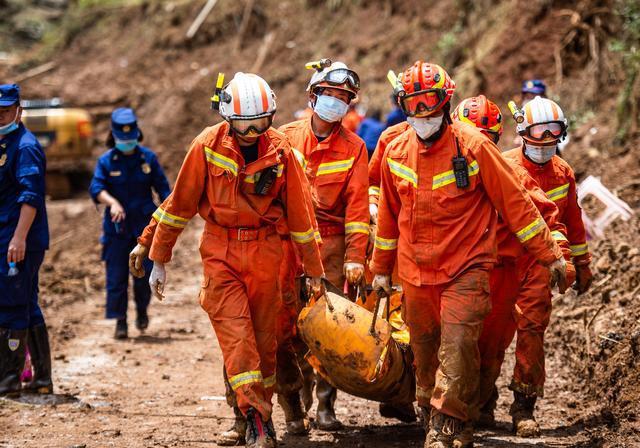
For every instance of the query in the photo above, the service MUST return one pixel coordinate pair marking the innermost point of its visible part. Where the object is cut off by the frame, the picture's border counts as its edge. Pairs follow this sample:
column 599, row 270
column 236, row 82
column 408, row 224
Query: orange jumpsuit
column 533, row 310
column 241, row 247
column 376, row 158
column 518, row 277
column 445, row 240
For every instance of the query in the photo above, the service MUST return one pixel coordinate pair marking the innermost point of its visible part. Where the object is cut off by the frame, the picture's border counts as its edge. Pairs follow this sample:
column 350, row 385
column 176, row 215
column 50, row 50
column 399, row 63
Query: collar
column 328, row 140
column 268, row 152
column 8, row 139
column 116, row 154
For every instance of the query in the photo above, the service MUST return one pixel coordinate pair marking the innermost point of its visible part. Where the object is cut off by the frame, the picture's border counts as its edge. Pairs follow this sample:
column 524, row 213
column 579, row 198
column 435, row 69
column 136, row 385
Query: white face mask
column 425, row 127
column 539, row 154
column 330, row 109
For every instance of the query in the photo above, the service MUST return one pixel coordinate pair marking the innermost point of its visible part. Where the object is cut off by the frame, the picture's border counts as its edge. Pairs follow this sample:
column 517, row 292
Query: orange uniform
column 376, row 158
column 240, row 247
column 445, row 240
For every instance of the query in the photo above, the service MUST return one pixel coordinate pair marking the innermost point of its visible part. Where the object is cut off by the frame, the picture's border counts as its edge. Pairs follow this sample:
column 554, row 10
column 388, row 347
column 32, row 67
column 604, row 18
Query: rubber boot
column 122, row 332
column 260, row 434
column 443, row 431
column 142, row 320
column 235, row 435
column 40, row 360
column 487, row 418
column 308, row 383
column 294, row 416
column 405, row 412
column 524, row 423
column 12, row 356
column 326, row 415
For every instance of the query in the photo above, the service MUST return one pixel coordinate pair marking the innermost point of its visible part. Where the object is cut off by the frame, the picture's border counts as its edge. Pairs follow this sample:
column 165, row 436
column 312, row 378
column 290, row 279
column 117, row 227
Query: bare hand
column 136, row 260
column 17, row 249
column 117, row 212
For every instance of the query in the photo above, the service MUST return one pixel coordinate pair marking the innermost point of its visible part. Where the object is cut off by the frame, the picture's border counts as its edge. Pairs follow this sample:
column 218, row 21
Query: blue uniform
column 395, row 116
column 130, row 179
column 369, row 131
column 22, row 181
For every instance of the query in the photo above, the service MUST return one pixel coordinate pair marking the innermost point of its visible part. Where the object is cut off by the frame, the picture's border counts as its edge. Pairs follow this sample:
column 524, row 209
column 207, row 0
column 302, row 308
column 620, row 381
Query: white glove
column 353, row 272
column 558, row 271
column 373, row 213
column 315, row 287
column 382, row 283
column 158, row 279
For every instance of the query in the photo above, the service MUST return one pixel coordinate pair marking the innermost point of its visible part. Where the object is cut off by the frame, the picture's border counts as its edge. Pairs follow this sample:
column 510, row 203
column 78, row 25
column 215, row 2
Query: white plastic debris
column 615, row 207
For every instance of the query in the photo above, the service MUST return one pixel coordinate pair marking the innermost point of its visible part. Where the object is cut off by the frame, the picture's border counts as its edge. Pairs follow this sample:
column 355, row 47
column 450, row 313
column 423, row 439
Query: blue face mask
column 126, row 146
column 9, row 128
column 330, row 109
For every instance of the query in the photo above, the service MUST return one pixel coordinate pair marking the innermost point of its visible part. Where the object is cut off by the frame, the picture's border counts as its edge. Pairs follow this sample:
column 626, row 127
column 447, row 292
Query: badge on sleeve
column 3, row 159
column 146, row 169
column 14, row 344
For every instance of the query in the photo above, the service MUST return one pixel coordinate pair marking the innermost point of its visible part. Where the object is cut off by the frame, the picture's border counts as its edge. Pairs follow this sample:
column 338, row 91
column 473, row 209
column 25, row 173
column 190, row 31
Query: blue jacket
column 130, row 179
column 22, row 171
column 369, row 131
column 395, row 116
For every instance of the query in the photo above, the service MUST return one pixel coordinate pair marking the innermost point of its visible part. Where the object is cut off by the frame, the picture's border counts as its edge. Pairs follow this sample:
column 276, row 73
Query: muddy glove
column 373, row 213
column 382, row 283
column 353, row 272
column 157, row 280
column 584, row 278
column 136, row 258
column 316, row 287
column 558, row 272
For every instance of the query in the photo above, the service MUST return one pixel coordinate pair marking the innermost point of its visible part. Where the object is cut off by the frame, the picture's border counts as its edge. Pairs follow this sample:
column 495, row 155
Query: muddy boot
column 326, row 415
column 443, row 431
column 404, row 412
column 260, row 434
column 524, row 423
column 12, row 356
column 487, row 418
column 465, row 438
column 308, row 383
column 425, row 417
column 40, row 360
column 122, row 332
column 142, row 320
column 294, row 416
column 234, row 436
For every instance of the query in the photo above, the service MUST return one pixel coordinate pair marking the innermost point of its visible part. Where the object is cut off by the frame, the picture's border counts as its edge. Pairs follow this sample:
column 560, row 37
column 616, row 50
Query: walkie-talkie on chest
column 460, row 168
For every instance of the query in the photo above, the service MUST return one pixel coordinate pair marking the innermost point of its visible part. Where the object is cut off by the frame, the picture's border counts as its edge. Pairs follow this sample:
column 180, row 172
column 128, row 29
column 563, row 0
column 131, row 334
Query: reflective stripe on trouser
column 241, row 296
column 452, row 315
column 498, row 329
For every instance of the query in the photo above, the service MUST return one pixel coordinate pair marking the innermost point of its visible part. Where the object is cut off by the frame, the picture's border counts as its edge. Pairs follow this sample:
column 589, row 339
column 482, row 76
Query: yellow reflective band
column 221, row 161
column 253, row 178
column 403, row 172
column 317, row 236
column 558, row 236
column 303, row 237
column 300, row 157
column 252, row 376
column 448, row 177
column 386, row 244
column 356, row 227
column 558, row 193
column 374, row 191
column 531, row 230
column 163, row 217
column 579, row 249
column 270, row 381
column 335, row 167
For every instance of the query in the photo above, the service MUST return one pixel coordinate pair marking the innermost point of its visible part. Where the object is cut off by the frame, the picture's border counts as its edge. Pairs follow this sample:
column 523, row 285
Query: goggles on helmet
column 422, row 103
column 552, row 130
column 341, row 76
column 246, row 126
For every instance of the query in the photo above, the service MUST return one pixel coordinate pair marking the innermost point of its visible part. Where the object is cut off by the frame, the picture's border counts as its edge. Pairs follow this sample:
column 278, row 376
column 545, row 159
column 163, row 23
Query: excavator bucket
column 361, row 362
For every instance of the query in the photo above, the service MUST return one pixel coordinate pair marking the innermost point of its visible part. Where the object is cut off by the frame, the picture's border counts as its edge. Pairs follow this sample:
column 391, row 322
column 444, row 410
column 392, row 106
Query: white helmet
column 543, row 121
column 334, row 75
column 247, row 96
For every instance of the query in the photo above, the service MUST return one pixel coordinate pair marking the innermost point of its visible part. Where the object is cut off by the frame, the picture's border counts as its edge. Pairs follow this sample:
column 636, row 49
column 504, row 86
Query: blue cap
column 124, row 124
column 9, row 94
column 535, row 86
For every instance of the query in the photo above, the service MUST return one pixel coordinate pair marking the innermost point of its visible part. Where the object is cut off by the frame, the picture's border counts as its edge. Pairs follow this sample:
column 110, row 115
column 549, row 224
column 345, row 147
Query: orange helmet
column 481, row 113
column 423, row 89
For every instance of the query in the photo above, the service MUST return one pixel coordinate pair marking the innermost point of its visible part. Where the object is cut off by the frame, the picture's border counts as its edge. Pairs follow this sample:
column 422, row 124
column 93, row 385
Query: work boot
column 142, row 320
column 425, row 417
column 12, row 356
column 405, row 412
column 443, row 431
column 294, row 416
column 326, row 415
column 487, row 418
column 260, row 434
column 234, row 436
column 465, row 438
column 122, row 332
column 40, row 360
column 524, row 423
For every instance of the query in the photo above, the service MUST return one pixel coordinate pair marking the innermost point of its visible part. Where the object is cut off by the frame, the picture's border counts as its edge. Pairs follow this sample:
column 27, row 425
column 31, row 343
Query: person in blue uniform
column 124, row 179
column 24, row 237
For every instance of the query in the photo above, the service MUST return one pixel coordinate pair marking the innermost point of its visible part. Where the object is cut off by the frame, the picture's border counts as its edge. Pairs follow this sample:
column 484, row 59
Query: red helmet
column 481, row 113
column 423, row 89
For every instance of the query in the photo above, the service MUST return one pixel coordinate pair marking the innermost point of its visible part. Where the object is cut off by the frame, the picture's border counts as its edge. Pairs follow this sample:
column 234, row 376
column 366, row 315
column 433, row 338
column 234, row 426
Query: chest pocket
column 223, row 173
column 451, row 198
column 330, row 180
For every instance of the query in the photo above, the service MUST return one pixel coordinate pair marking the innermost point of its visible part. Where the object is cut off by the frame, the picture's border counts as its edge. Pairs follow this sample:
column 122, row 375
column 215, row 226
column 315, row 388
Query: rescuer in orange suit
column 335, row 162
column 442, row 182
column 242, row 177
column 517, row 277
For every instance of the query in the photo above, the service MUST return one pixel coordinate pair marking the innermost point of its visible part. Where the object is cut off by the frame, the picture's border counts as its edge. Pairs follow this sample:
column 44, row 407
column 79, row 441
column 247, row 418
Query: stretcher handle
column 379, row 295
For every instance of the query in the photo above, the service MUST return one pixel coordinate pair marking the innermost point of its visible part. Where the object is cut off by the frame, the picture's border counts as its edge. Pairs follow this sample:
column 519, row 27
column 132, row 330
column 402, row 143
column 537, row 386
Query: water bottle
column 13, row 269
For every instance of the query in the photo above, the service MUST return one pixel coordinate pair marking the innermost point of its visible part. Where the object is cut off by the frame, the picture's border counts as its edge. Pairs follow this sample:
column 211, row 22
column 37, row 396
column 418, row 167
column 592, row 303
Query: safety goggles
column 341, row 76
column 551, row 130
column 422, row 103
column 247, row 126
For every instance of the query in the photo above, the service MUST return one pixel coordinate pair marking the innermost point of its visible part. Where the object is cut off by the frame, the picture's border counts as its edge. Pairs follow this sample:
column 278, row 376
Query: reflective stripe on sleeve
column 531, row 230
column 386, row 244
column 402, row 171
column 335, row 167
column 300, row 158
column 448, row 177
column 558, row 193
column 374, row 191
column 252, row 376
column 221, row 161
column 162, row 217
column 270, row 381
column 558, row 236
column 356, row 227
column 303, row 237
column 579, row 249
